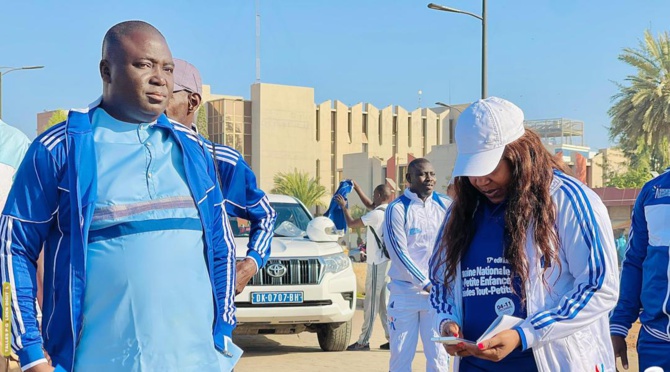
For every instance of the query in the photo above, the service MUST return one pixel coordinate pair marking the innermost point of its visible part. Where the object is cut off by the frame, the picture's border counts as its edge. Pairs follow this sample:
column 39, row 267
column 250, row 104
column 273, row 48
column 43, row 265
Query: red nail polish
column 455, row 334
column 480, row 346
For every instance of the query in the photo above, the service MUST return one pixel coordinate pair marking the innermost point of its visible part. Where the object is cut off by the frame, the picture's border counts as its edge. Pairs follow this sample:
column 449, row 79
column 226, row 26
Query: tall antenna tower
column 258, row 41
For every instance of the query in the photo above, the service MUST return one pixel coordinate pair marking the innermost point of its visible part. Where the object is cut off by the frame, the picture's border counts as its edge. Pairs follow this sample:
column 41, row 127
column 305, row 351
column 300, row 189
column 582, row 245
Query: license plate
column 276, row 297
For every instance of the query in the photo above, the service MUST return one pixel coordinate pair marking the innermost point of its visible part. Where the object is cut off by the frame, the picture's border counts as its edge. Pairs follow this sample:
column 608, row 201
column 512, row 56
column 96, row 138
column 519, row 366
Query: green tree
column 58, row 116
column 357, row 211
column 632, row 178
column 201, row 121
column 641, row 110
column 300, row 186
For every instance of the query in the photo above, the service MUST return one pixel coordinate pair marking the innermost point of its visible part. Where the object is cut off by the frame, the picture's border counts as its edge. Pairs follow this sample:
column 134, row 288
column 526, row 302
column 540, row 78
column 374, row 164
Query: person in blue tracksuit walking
column 645, row 286
column 126, row 208
column 238, row 182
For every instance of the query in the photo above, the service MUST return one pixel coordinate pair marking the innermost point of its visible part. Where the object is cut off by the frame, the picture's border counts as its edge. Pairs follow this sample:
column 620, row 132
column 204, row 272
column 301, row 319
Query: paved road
column 301, row 353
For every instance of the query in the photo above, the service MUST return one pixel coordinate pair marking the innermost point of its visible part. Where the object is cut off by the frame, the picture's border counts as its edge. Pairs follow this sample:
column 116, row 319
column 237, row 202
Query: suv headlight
column 336, row 263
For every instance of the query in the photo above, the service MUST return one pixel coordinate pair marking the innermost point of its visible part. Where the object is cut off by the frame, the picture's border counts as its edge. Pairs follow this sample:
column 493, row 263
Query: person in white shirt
column 376, row 295
column 411, row 226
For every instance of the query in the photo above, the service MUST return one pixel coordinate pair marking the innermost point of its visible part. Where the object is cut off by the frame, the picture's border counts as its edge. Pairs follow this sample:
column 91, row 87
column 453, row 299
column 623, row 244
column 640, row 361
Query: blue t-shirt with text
column 487, row 293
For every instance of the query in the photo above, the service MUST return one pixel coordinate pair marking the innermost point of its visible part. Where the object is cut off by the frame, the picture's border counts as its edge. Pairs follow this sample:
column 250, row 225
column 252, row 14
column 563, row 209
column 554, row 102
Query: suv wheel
column 334, row 336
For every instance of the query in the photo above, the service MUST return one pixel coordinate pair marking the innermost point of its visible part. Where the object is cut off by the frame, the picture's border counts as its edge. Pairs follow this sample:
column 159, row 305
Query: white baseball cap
column 482, row 132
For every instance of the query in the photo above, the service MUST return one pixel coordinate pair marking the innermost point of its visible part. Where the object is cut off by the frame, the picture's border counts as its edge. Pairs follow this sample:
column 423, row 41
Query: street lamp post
column 482, row 18
column 448, row 106
column 10, row 69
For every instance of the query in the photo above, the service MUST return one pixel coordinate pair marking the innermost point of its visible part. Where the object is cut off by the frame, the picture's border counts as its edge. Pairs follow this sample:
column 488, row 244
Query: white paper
column 231, row 355
column 502, row 323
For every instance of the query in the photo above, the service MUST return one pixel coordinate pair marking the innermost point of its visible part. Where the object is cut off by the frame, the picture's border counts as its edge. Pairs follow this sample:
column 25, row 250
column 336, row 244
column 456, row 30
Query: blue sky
column 553, row 58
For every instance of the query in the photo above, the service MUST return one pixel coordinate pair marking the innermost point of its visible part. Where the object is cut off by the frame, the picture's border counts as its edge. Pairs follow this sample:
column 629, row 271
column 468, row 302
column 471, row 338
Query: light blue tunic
column 149, row 302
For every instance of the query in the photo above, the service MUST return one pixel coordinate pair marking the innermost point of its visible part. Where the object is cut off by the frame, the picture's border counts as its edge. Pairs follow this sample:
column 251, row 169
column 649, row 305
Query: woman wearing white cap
column 522, row 238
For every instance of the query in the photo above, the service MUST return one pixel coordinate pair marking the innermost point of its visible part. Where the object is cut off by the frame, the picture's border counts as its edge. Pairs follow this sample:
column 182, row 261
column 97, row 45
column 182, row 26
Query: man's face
column 377, row 199
column 421, row 179
column 177, row 108
column 140, row 77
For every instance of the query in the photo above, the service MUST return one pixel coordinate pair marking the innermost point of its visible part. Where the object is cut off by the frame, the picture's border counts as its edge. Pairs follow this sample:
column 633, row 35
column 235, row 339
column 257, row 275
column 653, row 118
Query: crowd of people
column 129, row 207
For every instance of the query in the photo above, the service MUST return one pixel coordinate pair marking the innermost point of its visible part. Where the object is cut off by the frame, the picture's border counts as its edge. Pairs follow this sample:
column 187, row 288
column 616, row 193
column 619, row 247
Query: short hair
column 384, row 190
column 115, row 34
column 414, row 164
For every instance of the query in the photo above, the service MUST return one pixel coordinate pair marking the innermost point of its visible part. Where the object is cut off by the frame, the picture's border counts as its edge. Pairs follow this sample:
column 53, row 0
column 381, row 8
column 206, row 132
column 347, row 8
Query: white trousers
column 411, row 315
column 376, row 298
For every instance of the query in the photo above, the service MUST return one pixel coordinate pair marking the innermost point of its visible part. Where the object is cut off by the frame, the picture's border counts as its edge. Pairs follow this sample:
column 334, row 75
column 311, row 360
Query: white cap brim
column 477, row 164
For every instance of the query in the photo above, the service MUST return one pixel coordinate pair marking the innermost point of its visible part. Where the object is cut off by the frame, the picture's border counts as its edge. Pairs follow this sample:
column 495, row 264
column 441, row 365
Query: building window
column 318, row 126
column 424, row 135
column 381, row 142
column 333, row 148
column 365, row 123
column 384, row 174
column 350, row 128
column 452, row 130
column 409, row 131
column 318, row 170
column 394, row 135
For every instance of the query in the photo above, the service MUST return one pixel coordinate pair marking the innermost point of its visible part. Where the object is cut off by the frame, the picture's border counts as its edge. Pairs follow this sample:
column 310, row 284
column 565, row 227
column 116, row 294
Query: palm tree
column 300, row 186
column 641, row 111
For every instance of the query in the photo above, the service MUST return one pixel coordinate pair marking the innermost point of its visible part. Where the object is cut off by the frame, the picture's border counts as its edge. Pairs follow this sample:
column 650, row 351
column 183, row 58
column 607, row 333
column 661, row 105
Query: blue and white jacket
column 567, row 325
column 244, row 199
column 410, row 228
column 51, row 205
column 645, row 288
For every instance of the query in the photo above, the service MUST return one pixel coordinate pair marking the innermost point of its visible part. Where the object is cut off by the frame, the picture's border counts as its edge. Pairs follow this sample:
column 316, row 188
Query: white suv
column 305, row 286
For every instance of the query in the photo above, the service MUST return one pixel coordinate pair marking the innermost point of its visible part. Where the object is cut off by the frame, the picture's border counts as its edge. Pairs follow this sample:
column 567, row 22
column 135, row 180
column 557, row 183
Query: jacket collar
column 80, row 126
column 414, row 197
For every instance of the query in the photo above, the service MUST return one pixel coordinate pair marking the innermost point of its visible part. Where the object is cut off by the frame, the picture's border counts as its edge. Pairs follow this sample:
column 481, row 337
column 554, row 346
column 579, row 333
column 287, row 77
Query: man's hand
column 620, row 350
column 496, row 348
column 340, row 201
column 245, row 270
column 42, row 367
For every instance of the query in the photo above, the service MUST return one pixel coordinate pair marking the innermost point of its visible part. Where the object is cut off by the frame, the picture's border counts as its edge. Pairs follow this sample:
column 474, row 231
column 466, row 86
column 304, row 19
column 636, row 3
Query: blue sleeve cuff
column 31, row 355
column 227, row 329
column 522, row 336
column 256, row 257
column 618, row 330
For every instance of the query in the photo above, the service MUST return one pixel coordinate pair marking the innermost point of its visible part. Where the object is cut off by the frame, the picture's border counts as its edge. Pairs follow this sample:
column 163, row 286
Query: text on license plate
column 276, row 297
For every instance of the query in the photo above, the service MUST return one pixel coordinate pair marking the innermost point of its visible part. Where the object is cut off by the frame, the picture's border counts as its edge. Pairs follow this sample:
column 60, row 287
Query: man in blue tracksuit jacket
column 645, row 286
column 138, row 252
column 238, row 183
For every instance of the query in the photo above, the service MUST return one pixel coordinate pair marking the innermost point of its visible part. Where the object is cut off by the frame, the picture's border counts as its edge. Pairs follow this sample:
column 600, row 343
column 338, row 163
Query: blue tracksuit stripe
column 18, row 326
column 394, row 244
column 438, row 295
column 229, row 313
column 587, row 223
column 262, row 245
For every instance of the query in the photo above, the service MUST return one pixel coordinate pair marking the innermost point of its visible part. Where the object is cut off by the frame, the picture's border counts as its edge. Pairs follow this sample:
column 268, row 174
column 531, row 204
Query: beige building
column 282, row 129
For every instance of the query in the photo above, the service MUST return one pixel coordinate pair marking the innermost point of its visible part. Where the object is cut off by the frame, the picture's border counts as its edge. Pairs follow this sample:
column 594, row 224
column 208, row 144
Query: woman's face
column 495, row 185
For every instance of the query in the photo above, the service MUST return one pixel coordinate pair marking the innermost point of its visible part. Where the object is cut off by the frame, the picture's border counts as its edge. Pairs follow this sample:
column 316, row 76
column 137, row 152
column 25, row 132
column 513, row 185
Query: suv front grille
column 298, row 271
